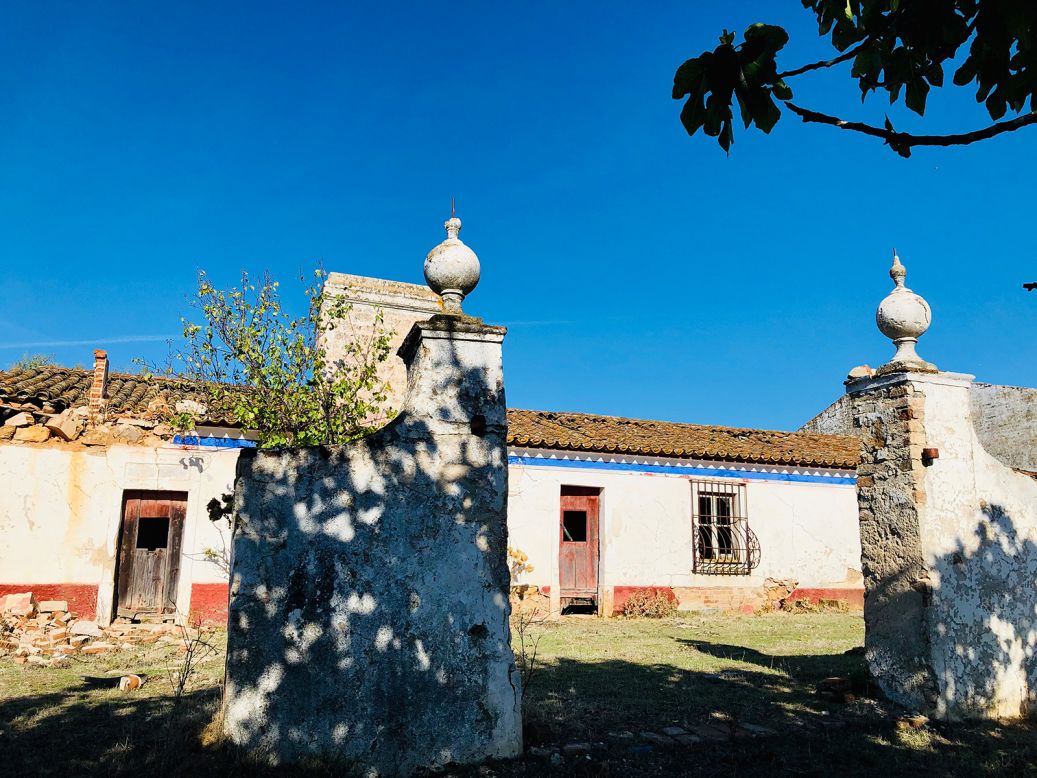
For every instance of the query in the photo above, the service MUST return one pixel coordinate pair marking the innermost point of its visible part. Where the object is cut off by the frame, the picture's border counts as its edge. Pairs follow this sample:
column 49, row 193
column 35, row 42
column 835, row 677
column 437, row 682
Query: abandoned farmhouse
column 106, row 507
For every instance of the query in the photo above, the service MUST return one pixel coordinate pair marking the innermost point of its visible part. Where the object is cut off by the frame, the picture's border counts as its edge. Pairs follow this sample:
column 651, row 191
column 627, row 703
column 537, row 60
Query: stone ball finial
column 451, row 268
column 903, row 317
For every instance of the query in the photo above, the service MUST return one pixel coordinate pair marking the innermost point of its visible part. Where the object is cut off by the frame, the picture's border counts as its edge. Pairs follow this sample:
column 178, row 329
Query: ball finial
column 451, row 268
column 903, row 317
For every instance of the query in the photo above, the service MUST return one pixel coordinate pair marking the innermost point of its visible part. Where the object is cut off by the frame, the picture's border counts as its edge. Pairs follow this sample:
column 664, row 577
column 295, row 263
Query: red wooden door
column 578, row 549
column 149, row 552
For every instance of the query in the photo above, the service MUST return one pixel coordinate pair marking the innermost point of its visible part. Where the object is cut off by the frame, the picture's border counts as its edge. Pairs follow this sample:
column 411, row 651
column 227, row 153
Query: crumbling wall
column 369, row 588
column 950, row 553
column 61, row 515
column 1005, row 418
column 836, row 419
column 400, row 305
column 889, row 421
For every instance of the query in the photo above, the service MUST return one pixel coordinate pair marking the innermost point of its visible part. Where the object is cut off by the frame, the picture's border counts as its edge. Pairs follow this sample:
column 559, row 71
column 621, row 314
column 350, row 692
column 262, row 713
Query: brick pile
column 46, row 634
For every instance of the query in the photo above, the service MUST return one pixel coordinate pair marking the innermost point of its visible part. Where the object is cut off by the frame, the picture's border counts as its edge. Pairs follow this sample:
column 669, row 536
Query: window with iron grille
column 722, row 542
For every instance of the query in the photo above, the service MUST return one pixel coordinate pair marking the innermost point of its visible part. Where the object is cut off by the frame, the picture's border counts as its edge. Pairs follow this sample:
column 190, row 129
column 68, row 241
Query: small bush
column 650, row 605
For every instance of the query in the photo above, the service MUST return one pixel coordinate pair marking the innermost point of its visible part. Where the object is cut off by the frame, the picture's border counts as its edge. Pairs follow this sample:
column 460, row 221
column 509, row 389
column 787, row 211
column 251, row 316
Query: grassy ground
column 596, row 681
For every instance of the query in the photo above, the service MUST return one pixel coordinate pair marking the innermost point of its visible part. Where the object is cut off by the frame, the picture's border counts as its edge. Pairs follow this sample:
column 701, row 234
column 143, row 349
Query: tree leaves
column 713, row 80
column 270, row 371
column 897, row 46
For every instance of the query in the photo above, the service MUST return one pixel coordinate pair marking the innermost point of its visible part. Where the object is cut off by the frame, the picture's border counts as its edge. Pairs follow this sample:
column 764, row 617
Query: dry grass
column 595, row 678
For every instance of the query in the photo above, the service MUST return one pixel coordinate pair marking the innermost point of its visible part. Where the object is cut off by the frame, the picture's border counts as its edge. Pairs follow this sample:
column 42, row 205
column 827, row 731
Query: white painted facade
column 804, row 518
column 61, row 512
column 60, row 517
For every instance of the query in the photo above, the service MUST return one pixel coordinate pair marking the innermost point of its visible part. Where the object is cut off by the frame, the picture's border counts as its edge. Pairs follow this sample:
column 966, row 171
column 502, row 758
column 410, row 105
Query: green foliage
column 269, row 371
column 182, row 422
column 894, row 45
column 32, row 361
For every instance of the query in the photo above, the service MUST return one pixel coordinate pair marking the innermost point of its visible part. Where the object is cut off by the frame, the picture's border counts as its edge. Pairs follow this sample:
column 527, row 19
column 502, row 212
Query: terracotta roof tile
column 54, row 389
column 616, row 435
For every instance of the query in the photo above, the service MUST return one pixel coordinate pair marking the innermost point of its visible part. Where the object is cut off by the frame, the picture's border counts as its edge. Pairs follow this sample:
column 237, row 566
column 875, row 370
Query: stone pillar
column 369, row 604
column 949, row 551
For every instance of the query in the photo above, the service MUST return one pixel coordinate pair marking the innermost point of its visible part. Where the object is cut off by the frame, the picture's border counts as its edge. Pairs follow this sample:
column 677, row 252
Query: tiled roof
column 53, row 389
column 616, row 435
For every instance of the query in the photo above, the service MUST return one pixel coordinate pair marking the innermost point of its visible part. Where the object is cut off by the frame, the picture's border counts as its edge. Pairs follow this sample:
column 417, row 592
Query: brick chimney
column 99, row 386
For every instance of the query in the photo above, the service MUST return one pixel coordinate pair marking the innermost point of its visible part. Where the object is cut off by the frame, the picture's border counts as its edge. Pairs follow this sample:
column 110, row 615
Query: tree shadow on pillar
column 984, row 620
column 369, row 595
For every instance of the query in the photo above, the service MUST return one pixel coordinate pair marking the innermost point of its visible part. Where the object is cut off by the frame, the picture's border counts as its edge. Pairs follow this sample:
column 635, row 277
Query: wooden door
column 578, row 550
column 149, row 552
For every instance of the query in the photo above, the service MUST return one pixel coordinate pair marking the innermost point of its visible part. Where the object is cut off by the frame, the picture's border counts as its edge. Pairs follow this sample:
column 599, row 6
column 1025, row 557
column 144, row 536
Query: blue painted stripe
column 213, row 442
column 708, row 472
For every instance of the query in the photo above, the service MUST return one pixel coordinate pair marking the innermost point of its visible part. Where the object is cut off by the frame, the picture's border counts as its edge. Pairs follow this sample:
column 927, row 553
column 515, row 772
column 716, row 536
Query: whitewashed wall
column 807, row 531
column 60, row 512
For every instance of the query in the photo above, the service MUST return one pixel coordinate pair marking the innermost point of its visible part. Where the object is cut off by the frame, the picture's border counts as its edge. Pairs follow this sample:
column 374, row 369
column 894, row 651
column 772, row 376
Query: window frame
column 727, row 547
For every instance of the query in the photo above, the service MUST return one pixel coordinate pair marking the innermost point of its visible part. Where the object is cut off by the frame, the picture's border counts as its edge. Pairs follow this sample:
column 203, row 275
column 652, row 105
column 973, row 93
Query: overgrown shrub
column 649, row 605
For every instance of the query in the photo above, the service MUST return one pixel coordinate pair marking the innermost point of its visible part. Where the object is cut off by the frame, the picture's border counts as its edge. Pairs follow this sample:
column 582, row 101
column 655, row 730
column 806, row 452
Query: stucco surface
column 61, row 512
column 959, row 559
column 807, row 531
column 369, row 590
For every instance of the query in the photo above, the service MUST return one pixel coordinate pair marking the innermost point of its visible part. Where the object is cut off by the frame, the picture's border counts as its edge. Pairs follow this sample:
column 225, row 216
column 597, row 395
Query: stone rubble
column 47, row 634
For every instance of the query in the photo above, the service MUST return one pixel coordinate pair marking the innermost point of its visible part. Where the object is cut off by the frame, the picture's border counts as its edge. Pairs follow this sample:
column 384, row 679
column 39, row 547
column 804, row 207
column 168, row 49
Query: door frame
column 588, row 499
column 174, row 546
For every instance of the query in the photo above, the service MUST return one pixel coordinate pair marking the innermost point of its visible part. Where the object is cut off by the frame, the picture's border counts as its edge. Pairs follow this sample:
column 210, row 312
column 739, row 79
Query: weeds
column 650, row 605
column 527, row 643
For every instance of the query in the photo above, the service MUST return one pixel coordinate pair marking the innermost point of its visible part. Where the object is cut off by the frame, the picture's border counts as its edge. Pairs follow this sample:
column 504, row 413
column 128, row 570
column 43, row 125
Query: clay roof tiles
column 617, row 435
column 56, row 388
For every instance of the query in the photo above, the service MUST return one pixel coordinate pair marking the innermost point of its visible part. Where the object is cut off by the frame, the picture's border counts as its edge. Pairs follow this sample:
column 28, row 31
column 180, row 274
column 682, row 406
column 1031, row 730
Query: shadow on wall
column 369, row 594
column 975, row 621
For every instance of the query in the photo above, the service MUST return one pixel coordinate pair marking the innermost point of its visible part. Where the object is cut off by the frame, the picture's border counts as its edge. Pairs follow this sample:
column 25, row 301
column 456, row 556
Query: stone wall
column 1004, row 417
column 889, row 421
column 949, row 544
column 1006, row 423
column 836, row 419
column 400, row 304
column 369, row 590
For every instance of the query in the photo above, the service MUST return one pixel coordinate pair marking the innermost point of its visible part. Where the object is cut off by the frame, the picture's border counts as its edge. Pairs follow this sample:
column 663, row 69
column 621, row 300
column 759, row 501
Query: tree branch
column 828, row 63
column 1029, row 287
column 906, row 139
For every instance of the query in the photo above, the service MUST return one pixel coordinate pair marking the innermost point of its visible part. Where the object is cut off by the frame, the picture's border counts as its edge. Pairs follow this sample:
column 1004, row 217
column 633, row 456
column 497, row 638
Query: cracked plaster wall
column 369, row 589
column 949, row 551
column 807, row 531
column 61, row 512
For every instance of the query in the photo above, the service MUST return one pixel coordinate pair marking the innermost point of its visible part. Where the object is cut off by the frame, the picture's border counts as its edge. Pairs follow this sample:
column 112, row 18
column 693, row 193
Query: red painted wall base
column 854, row 598
column 620, row 595
column 209, row 603
column 745, row 600
column 81, row 598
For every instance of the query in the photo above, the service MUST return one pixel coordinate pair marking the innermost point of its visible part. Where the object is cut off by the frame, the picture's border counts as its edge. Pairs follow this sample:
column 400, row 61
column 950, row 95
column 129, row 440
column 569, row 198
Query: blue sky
column 641, row 272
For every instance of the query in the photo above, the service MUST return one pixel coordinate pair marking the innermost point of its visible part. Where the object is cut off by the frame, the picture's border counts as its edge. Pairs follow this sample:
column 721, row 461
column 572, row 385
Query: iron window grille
column 722, row 542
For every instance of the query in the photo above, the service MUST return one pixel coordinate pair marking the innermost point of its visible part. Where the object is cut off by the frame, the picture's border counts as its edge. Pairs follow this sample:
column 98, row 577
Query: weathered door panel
column 578, row 546
column 149, row 552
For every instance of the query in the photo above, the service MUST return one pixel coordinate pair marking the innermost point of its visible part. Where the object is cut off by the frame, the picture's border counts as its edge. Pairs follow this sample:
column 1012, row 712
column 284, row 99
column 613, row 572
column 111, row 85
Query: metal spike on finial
column 452, row 214
column 898, row 272
column 903, row 317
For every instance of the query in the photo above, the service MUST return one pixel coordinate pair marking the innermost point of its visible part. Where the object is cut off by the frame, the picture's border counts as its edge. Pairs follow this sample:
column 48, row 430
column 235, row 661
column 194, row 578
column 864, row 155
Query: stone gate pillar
column 948, row 537
column 368, row 621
